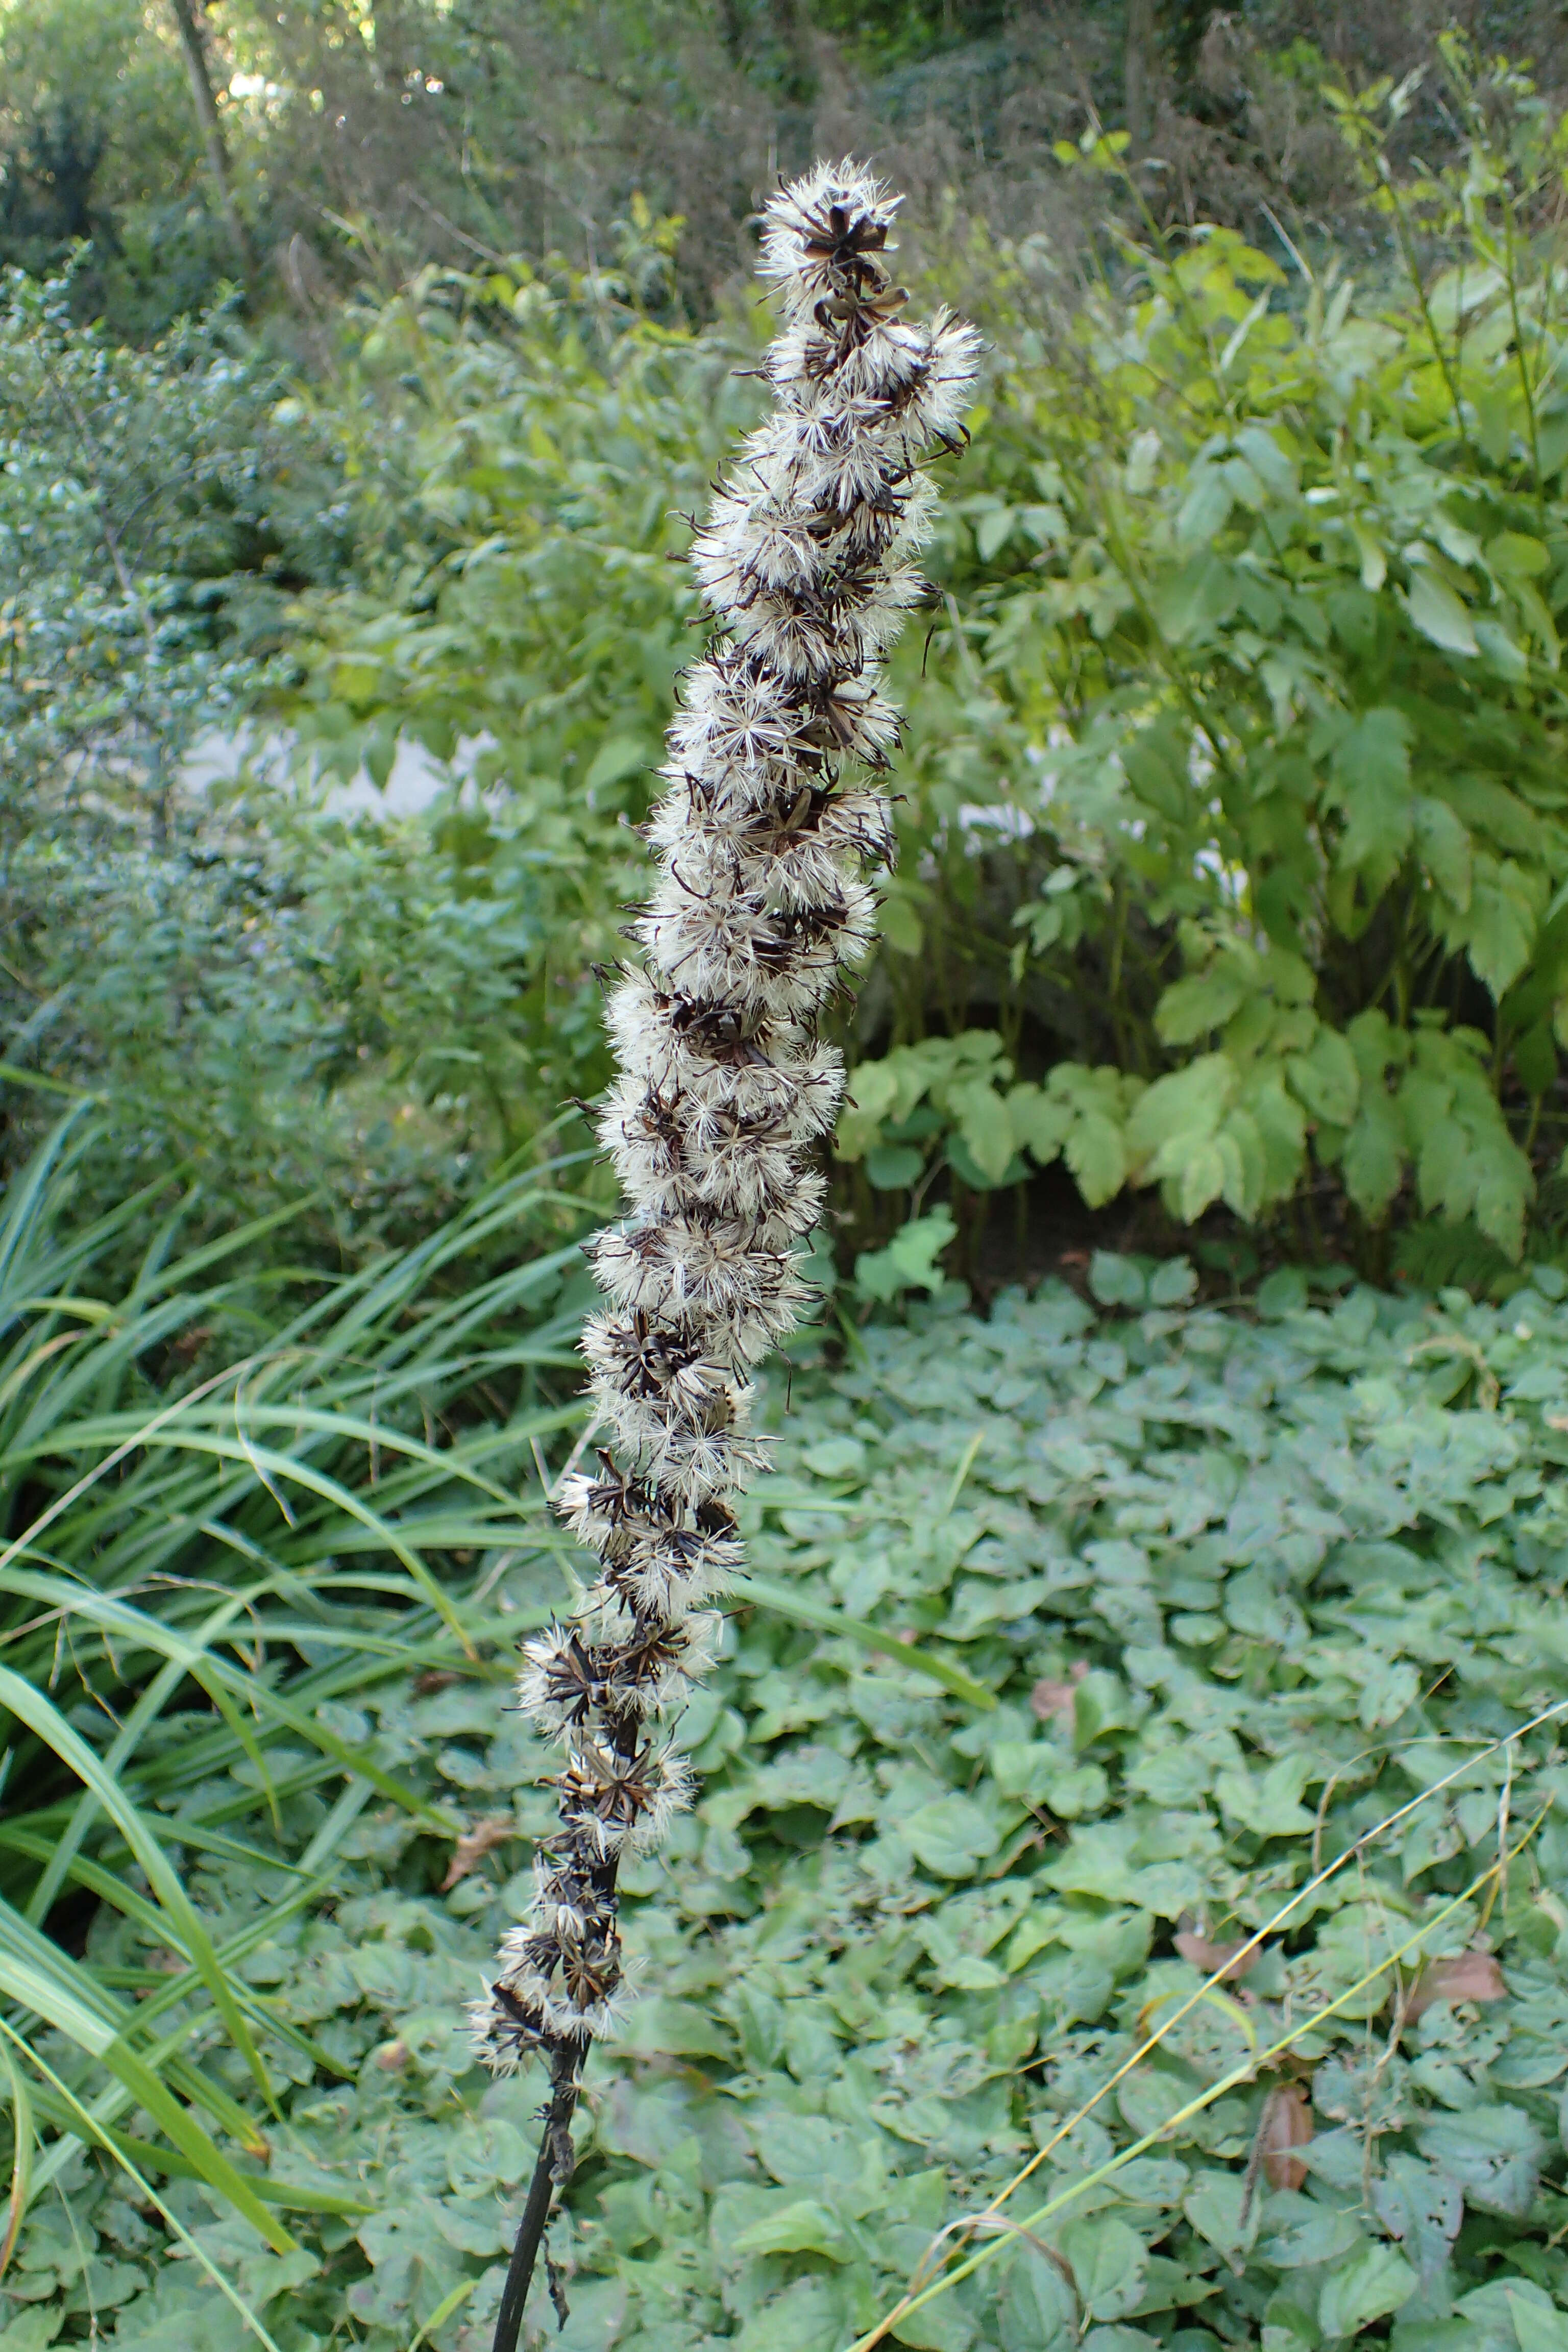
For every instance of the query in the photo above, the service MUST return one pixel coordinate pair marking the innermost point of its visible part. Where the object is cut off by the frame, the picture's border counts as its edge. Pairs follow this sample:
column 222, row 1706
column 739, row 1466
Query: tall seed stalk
column 764, row 839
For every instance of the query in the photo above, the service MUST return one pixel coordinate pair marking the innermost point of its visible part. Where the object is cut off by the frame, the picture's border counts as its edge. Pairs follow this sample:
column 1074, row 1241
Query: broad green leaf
column 1516, row 556
column 1440, row 614
column 1421, row 2206
column 1096, row 1152
column 806, row 2319
column 1326, row 1078
column 1214, row 2207
column 1203, row 516
column 804, row 2226
column 1039, row 1124
column 992, row 529
column 1539, row 2325
column 1373, row 2282
column 892, row 1166
column 1297, row 2233
column 985, row 1127
column 1197, row 1171
column 1116, row 1281
column 1189, row 1103
column 951, row 1836
column 1038, row 2312
column 1372, row 786
column 1375, row 1153
column 1107, row 2259
column 1269, row 1806
column 1444, row 847
column 1203, row 1001
column 909, row 1261
column 1500, row 929
column 1494, row 2153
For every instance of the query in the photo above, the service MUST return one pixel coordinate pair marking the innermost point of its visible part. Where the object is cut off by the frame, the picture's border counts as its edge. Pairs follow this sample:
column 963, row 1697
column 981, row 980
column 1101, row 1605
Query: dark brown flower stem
column 552, row 2170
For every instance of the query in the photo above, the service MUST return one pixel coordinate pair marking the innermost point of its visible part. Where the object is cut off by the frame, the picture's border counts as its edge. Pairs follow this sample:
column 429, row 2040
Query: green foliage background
column 1232, row 859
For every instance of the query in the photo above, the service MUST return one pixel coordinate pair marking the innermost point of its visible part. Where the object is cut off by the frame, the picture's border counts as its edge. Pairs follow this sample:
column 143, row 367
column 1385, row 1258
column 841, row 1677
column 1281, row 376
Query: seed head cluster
column 766, row 836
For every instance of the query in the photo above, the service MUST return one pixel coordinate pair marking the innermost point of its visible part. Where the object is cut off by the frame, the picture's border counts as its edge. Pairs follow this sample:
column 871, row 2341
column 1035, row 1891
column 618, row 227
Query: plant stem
column 555, row 2141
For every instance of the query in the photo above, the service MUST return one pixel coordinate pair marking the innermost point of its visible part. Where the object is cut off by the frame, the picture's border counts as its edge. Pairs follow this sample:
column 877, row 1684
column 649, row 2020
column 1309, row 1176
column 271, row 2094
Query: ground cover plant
column 1243, row 1583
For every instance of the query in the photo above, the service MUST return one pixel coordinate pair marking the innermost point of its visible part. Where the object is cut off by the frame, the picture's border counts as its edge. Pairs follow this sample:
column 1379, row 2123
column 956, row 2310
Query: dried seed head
column 761, row 906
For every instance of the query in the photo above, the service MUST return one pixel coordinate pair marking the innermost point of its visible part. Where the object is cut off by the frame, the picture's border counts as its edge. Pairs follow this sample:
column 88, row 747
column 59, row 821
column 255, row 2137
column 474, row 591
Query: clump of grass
column 286, row 1532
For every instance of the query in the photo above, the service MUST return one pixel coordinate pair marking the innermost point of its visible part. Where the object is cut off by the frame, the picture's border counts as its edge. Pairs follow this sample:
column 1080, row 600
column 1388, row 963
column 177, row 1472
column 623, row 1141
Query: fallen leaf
column 1230, row 1962
column 1286, row 2125
column 475, row 1843
column 390, row 2056
column 1048, row 1698
column 438, row 1678
column 1468, row 1976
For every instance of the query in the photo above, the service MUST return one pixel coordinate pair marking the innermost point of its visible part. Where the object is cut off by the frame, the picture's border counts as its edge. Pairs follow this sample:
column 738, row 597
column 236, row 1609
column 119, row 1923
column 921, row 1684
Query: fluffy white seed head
column 765, row 839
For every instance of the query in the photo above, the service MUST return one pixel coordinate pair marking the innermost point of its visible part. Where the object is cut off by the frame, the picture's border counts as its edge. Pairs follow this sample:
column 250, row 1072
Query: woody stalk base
column 766, row 838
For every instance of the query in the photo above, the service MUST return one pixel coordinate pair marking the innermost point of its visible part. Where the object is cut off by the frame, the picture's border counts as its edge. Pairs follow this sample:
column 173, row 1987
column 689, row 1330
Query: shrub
column 271, row 998
column 1260, row 604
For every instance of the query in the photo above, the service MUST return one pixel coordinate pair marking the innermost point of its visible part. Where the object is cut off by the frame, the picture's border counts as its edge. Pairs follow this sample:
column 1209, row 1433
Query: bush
column 1260, row 605
column 1231, row 836
column 270, row 1000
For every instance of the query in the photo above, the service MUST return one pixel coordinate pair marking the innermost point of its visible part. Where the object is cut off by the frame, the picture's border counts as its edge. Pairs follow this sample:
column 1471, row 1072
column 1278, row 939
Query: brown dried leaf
column 1048, row 1698
column 1468, row 1976
column 475, row 1843
column 1286, row 2125
column 1231, row 1962
column 437, row 1678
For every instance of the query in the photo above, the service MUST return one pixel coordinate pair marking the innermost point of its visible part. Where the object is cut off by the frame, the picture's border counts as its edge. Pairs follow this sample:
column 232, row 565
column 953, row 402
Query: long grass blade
column 824, row 1619
column 175, row 2227
column 22, row 2145
column 44, row 1719
column 84, row 2026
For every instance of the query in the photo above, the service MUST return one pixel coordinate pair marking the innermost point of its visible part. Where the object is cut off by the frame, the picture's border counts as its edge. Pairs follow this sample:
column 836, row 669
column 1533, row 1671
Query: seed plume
column 767, row 838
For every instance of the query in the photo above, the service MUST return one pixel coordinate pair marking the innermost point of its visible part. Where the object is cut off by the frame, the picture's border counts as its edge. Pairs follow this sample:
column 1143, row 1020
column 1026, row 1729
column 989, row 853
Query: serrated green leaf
column 986, row 1127
column 1443, row 845
column 1372, row 783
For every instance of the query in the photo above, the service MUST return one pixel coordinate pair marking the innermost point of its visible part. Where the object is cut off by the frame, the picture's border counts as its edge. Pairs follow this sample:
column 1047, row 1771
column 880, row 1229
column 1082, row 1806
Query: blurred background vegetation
column 360, row 372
